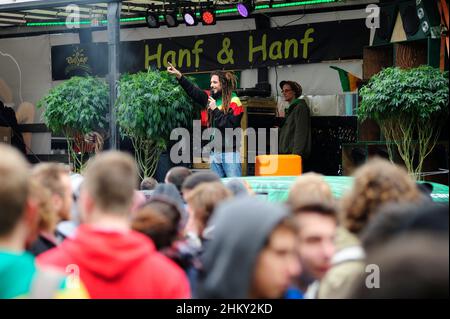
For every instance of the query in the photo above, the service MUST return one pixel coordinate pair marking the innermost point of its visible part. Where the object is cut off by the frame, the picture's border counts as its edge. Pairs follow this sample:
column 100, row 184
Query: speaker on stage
column 420, row 19
column 388, row 15
column 428, row 14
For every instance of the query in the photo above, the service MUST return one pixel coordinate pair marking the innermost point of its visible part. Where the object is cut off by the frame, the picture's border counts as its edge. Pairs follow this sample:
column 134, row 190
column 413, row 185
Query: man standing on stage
column 295, row 133
column 224, row 112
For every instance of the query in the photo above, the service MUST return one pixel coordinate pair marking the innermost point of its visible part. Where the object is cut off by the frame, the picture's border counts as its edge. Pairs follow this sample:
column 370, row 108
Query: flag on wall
column 349, row 82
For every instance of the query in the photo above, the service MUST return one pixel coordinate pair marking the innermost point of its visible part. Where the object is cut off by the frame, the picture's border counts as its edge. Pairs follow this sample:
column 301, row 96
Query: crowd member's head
column 239, row 187
column 412, row 266
column 252, row 253
column 196, row 179
column 317, row 225
column 376, row 183
column 202, row 201
column 394, row 220
column 55, row 177
column 222, row 85
column 388, row 222
column 162, row 217
column 291, row 90
column 113, row 260
column 177, row 175
column 20, row 202
column 107, row 191
column 17, row 215
column 47, row 216
column 310, row 188
column 148, row 184
column 159, row 221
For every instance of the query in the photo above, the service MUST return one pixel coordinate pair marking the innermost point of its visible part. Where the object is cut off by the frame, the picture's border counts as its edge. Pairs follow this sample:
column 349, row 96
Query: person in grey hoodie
column 252, row 253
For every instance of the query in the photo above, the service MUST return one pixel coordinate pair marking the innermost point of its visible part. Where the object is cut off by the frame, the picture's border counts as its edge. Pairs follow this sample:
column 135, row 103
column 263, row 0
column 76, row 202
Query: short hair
column 48, row 175
column 197, row 178
column 159, row 221
column 375, row 183
column 42, row 196
column 177, row 175
column 297, row 88
column 320, row 208
column 205, row 197
column 310, row 188
column 14, row 188
column 148, row 183
column 110, row 179
column 287, row 223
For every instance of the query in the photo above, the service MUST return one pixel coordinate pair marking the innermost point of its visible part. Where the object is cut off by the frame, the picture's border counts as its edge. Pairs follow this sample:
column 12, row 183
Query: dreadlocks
column 228, row 82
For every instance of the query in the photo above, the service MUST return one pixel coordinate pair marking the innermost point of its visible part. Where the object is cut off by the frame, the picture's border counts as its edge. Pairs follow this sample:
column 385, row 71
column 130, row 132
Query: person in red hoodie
column 112, row 260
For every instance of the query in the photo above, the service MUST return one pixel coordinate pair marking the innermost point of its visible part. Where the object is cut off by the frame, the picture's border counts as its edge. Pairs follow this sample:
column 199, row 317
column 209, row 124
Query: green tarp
column 276, row 188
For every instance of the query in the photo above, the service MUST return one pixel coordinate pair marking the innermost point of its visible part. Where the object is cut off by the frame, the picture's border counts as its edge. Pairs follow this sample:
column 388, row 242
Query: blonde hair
column 14, row 188
column 48, row 217
column 375, row 183
column 110, row 179
column 308, row 189
column 48, row 175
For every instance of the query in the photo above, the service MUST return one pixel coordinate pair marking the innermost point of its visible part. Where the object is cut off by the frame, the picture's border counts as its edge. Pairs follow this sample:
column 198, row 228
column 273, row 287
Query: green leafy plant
column 410, row 105
column 149, row 106
column 74, row 108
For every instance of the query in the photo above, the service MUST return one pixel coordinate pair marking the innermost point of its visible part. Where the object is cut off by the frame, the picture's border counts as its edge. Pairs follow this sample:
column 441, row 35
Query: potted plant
column 410, row 106
column 74, row 108
column 149, row 106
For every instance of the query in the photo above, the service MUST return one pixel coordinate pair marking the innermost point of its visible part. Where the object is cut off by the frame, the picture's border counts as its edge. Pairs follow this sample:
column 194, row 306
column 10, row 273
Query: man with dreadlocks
column 224, row 112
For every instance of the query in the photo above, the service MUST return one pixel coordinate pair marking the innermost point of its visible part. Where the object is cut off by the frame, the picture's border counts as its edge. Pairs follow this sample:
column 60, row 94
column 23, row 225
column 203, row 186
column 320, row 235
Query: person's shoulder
column 54, row 257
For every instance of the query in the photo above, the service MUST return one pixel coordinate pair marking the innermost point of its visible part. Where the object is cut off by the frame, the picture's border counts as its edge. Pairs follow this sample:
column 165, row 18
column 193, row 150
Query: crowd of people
column 102, row 234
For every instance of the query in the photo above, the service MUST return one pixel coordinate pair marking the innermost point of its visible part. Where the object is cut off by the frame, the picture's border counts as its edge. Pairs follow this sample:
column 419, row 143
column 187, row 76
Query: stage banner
column 298, row 44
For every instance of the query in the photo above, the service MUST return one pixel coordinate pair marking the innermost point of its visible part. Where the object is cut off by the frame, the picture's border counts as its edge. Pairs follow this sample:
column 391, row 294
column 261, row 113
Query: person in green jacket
column 295, row 131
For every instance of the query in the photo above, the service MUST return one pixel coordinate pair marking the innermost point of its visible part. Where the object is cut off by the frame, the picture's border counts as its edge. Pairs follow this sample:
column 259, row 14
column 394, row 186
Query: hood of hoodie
column 107, row 254
column 242, row 227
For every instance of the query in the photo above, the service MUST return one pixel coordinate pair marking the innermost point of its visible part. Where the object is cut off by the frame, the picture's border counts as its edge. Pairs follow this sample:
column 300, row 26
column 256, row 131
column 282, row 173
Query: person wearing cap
column 295, row 131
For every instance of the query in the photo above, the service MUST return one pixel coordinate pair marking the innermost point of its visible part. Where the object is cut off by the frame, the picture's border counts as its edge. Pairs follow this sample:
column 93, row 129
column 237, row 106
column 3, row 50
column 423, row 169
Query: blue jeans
column 226, row 164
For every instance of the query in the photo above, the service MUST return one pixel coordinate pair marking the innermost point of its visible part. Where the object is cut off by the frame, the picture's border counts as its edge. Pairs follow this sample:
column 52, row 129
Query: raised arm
column 197, row 94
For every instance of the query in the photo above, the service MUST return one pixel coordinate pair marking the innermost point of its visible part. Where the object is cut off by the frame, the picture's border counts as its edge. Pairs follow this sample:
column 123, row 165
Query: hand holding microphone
column 211, row 104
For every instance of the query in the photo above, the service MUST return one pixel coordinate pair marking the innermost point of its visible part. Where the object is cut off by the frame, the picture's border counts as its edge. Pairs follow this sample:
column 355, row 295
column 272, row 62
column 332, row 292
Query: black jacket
column 8, row 119
column 217, row 118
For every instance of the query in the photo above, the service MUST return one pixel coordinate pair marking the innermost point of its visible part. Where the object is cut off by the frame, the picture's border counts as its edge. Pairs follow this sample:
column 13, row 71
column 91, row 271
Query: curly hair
column 377, row 182
column 228, row 81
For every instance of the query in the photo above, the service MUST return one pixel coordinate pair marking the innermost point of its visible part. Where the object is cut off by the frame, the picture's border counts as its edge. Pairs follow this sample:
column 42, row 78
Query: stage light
column 189, row 17
column 171, row 19
column 244, row 8
column 208, row 16
column 152, row 19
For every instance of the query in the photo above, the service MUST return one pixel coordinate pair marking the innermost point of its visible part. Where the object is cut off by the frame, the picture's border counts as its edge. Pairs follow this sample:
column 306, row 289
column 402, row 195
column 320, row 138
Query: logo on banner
column 78, row 61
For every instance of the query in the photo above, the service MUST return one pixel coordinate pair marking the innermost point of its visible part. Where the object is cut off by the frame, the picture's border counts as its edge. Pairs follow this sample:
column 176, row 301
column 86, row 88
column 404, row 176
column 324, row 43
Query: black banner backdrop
column 231, row 51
